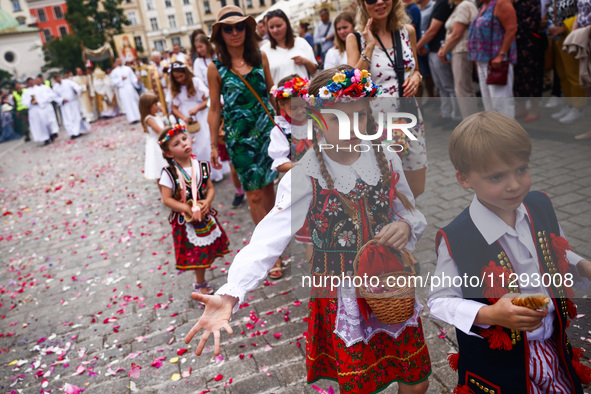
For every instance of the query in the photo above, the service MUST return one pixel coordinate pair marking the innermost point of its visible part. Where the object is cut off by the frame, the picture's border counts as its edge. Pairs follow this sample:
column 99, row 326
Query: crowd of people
column 237, row 103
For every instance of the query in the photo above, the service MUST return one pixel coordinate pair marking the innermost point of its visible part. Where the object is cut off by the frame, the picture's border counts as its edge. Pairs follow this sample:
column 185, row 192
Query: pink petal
column 135, row 371
column 71, row 389
column 277, row 335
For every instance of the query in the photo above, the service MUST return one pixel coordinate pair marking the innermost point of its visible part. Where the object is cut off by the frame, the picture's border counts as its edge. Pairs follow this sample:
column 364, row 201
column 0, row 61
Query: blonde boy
column 510, row 240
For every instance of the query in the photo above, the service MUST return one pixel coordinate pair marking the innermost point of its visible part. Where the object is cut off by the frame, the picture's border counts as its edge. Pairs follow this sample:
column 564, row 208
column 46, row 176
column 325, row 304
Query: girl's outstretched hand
column 394, row 235
column 218, row 310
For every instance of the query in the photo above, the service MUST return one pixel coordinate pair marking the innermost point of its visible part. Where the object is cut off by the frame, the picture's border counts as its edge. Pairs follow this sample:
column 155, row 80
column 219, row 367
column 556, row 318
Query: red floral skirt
column 362, row 368
column 191, row 257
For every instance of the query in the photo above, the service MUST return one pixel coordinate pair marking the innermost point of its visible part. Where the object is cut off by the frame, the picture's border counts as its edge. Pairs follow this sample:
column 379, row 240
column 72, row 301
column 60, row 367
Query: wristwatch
column 503, row 54
column 368, row 60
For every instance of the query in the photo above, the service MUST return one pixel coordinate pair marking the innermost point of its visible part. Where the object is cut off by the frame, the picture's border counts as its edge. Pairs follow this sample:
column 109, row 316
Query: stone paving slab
column 88, row 283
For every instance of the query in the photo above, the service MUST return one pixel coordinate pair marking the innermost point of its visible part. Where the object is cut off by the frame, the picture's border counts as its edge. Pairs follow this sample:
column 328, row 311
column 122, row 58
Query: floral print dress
column 247, row 126
column 382, row 73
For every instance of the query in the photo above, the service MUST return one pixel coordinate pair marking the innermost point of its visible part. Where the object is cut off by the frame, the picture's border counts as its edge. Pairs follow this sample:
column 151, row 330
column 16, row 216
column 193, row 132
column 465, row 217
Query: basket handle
column 406, row 258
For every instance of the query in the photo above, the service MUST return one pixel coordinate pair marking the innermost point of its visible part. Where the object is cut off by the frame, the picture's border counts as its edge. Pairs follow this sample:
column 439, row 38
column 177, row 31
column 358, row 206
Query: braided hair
column 320, row 80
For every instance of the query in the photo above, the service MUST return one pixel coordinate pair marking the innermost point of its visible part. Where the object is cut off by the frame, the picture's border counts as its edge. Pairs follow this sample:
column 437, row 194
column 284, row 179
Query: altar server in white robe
column 38, row 101
column 126, row 82
column 67, row 97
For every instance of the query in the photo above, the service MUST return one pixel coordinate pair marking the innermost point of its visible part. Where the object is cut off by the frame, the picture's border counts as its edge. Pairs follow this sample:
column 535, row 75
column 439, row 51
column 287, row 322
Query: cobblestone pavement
column 89, row 293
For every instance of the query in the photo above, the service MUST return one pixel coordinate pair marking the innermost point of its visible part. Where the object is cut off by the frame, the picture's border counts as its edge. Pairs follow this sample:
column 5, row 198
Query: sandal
column 276, row 273
column 197, row 288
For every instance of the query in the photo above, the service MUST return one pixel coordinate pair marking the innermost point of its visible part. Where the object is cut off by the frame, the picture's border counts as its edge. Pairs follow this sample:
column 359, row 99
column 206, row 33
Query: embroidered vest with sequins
column 500, row 371
column 201, row 189
column 336, row 236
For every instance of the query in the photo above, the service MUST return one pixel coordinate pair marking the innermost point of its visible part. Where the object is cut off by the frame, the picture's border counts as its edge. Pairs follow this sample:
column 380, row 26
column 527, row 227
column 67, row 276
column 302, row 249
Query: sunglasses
column 371, row 2
column 239, row 27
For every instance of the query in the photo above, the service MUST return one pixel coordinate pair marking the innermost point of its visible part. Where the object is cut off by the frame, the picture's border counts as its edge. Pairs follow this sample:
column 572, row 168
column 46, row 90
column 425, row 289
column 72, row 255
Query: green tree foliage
column 94, row 25
column 64, row 53
column 5, row 79
column 91, row 25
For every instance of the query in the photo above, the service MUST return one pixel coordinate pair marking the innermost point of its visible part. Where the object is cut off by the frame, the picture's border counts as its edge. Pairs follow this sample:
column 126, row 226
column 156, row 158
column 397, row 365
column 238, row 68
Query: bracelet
column 420, row 76
column 368, row 60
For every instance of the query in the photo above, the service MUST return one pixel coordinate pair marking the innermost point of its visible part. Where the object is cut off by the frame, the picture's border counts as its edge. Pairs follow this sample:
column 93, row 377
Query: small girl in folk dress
column 153, row 125
column 349, row 196
column 187, row 189
column 289, row 141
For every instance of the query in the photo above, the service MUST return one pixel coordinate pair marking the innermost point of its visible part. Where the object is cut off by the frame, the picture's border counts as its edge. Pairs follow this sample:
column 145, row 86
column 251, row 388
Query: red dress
column 359, row 368
column 196, row 244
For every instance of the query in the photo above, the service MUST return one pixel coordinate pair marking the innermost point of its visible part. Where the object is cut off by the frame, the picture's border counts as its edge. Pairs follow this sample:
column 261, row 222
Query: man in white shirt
column 178, row 55
column 67, row 97
column 125, row 80
column 324, row 33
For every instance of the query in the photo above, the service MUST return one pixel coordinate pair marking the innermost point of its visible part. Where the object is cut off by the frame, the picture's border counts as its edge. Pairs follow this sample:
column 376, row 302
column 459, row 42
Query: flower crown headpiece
column 177, row 129
column 292, row 88
column 344, row 87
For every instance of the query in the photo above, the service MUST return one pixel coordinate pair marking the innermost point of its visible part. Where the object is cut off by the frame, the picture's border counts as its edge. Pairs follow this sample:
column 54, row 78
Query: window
column 248, row 3
column 9, row 57
column 150, row 4
column 176, row 41
column 47, row 35
column 273, row 1
column 223, row 3
column 261, row 3
column 186, row 2
column 206, row 7
column 189, row 17
column 237, row 3
column 21, row 20
column 168, row 3
column 154, row 23
column 128, row 1
column 41, row 15
column 57, row 11
column 159, row 45
column 16, row 5
column 171, row 21
column 63, row 30
column 138, row 42
column 132, row 18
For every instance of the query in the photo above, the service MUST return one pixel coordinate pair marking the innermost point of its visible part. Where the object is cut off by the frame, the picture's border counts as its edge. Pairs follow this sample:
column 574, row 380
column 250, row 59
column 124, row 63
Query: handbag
column 496, row 76
column 193, row 126
column 255, row 94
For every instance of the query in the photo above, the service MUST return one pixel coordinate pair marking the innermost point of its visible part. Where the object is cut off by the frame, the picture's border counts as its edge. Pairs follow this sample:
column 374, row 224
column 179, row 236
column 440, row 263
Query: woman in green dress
column 247, row 121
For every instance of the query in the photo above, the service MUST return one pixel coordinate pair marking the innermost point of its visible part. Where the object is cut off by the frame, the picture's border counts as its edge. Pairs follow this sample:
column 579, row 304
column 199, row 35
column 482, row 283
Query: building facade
column 137, row 27
column 20, row 47
column 19, row 10
column 50, row 16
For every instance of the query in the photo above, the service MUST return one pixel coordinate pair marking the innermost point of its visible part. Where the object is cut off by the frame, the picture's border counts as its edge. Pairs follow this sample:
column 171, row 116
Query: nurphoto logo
column 345, row 129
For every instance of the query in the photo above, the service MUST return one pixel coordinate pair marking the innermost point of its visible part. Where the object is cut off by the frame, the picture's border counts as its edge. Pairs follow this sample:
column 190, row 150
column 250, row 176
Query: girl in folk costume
column 153, row 126
column 289, row 140
column 187, row 189
column 349, row 198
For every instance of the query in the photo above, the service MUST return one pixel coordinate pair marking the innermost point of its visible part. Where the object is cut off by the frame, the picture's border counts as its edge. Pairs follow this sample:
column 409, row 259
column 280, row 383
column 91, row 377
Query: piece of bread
column 532, row 301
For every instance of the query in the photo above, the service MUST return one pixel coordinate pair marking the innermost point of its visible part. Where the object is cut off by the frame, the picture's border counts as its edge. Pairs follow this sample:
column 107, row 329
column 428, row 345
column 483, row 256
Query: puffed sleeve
column 270, row 237
column 279, row 148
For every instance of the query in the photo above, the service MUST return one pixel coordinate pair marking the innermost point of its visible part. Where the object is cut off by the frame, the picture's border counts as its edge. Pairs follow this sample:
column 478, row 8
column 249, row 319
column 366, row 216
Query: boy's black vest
column 488, row 370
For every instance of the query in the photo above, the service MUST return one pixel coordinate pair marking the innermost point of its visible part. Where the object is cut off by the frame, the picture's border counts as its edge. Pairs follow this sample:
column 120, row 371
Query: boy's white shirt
column 447, row 304
column 274, row 232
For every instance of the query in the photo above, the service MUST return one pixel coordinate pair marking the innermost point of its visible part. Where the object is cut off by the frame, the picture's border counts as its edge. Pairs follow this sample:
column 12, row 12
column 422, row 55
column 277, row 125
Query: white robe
column 125, row 80
column 67, row 96
column 42, row 120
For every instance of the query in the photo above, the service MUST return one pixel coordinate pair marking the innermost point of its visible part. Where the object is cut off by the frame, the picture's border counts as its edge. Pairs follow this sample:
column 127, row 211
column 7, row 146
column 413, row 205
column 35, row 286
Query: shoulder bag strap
column 255, row 95
column 398, row 66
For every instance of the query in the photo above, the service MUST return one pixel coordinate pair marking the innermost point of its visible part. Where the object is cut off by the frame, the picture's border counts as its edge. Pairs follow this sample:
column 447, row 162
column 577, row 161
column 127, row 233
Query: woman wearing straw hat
column 241, row 75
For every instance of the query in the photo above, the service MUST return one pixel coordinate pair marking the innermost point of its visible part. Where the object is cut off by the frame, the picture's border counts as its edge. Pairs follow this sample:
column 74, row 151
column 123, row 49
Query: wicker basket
column 397, row 305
